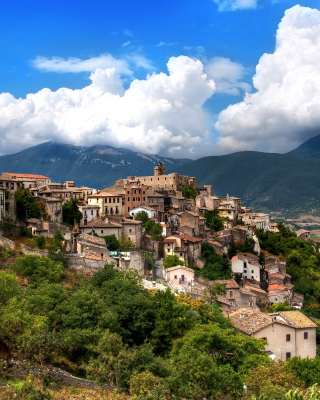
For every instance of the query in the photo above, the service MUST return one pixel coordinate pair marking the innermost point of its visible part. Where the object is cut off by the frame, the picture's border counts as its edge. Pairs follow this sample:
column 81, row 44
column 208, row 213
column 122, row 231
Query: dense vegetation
column 112, row 330
column 303, row 263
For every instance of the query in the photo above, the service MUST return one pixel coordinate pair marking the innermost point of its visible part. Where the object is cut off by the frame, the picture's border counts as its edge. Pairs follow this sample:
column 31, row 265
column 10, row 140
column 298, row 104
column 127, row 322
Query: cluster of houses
column 112, row 211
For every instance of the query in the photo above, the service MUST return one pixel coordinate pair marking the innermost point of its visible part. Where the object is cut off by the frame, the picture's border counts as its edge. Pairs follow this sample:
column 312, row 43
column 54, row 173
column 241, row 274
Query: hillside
column 310, row 149
column 264, row 181
column 97, row 166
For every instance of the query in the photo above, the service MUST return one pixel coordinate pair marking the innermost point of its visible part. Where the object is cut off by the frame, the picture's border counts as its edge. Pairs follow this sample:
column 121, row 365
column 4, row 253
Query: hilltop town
column 168, row 227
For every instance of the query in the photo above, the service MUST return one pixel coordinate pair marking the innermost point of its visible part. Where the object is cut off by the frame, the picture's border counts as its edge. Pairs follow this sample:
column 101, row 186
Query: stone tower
column 159, row 169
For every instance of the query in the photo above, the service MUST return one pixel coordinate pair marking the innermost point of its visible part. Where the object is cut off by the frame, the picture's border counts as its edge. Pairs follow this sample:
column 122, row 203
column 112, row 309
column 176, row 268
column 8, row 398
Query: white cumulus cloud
column 124, row 65
column 227, row 75
column 233, row 5
column 160, row 114
column 285, row 108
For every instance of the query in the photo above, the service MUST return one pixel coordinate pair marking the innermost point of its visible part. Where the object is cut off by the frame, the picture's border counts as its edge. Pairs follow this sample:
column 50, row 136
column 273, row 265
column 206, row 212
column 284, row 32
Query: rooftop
column 28, row 176
column 250, row 321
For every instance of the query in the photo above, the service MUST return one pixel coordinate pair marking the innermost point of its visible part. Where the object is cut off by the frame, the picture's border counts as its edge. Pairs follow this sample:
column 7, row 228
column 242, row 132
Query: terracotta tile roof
column 230, row 283
column 297, row 319
column 169, row 240
column 131, row 221
column 189, row 238
column 29, row 176
column 276, row 287
column 100, row 223
column 250, row 321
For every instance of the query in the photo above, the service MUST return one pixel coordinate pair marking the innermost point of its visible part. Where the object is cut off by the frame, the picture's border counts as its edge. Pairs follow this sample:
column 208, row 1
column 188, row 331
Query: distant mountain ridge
column 287, row 183
column 97, row 166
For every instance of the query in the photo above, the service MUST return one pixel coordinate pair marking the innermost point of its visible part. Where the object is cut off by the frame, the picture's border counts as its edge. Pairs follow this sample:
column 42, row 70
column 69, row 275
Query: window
column 101, row 230
column 252, row 271
column 180, row 254
column 265, row 339
column 288, row 356
column 175, row 276
column 244, row 265
column 130, row 230
column 245, row 271
column 128, row 200
column 250, row 303
column 231, row 294
column 305, row 335
column 288, row 338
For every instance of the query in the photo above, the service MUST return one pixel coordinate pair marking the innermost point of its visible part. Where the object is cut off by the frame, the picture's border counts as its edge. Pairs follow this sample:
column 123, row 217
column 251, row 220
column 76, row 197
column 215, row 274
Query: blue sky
column 143, row 33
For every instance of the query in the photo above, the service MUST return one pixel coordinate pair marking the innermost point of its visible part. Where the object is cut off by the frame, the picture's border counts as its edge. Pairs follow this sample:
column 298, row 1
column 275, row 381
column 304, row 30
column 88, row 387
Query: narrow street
column 157, row 273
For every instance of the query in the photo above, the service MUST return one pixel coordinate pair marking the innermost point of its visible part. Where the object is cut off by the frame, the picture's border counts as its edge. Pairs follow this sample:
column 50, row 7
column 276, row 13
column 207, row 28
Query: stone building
column 135, row 194
column 304, row 235
column 109, row 203
column 186, row 247
column 89, row 212
column 92, row 245
column 53, row 207
column 161, row 180
column 287, row 334
column 2, row 203
column 247, row 265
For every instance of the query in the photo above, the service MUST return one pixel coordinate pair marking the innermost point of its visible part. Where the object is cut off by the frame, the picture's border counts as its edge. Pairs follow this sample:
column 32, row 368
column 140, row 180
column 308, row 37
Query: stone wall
column 84, row 266
column 152, row 246
column 4, row 242
column 33, row 252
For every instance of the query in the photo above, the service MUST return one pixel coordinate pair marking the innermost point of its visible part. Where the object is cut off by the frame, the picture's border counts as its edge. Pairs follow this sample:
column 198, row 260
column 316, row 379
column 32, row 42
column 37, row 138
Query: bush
column 40, row 240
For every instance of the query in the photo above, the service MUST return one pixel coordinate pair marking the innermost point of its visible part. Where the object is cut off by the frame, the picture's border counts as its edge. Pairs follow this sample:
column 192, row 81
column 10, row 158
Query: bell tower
column 159, row 169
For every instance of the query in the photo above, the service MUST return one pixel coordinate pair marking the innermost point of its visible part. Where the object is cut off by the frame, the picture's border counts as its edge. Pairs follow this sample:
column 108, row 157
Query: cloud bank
column 124, row 65
column 161, row 114
column 234, row 5
column 285, row 109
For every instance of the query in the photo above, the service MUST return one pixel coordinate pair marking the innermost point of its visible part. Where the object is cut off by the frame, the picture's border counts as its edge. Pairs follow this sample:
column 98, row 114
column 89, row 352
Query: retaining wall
column 33, row 252
column 4, row 242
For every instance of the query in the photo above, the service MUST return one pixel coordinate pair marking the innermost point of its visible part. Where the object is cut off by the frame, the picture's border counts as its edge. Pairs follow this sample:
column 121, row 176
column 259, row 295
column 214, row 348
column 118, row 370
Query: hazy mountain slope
column 97, row 166
column 270, row 182
column 310, row 149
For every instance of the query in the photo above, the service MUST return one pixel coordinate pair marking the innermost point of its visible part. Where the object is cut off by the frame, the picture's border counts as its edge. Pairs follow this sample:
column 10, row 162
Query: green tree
column 189, row 192
column 154, row 229
column 27, row 207
column 125, row 244
column 232, row 250
column 172, row 261
column 38, row 269
column 9, row 286
column 142, row 216
column 70, row 212
column 40, row 241
column 112, row 242
column 209, row 357
column 111, row 361
column 280, row 307
column 214, row 223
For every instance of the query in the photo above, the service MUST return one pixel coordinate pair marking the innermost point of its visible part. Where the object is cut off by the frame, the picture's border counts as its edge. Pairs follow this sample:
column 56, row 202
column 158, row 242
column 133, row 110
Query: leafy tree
column 232, row 250
column 189, row 192
column 216, row 267
column 38, row 269
column 9, row 287
column 111, row 361
column 248, row 246
column 172, row 261
column 6, row 224
column 125, row 244
column 154, row 229
column 272, row 380
column 142, row 216
column 240, row 222
column 280, row 307
column 58, row 238
column 307, row 369
column 111, row 242
column 210, row 357
column 40, row 240
column 146, row 386
column 70, row 212
column 149, row 260
column 27, row 207
column 214, row 223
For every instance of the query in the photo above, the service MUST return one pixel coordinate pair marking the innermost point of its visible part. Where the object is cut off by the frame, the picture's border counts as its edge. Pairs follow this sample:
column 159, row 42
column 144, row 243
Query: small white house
column 89, row 212
column 150, row 211
column 248, row 266
column 179, row 276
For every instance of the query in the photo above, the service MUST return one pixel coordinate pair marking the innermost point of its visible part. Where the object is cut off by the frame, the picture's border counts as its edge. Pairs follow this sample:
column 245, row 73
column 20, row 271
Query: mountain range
column 284, row 183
